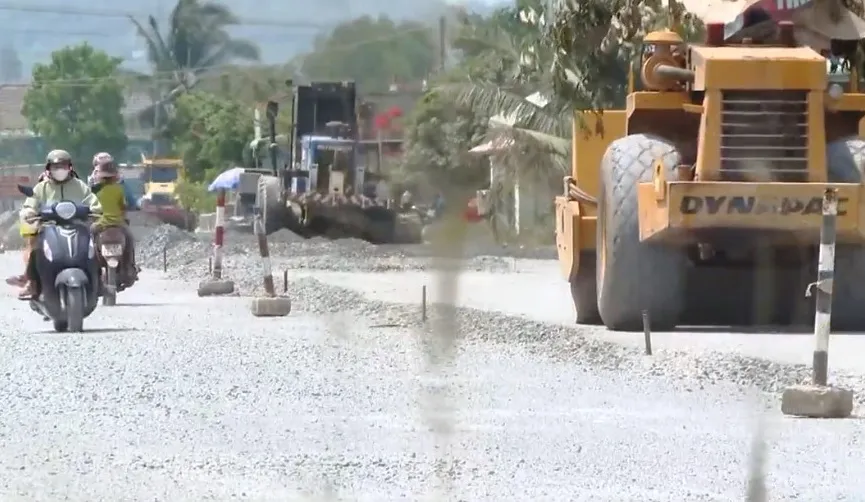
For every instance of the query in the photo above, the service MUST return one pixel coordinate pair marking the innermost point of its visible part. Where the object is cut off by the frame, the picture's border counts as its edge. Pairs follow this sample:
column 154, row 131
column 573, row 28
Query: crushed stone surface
column 173, row 397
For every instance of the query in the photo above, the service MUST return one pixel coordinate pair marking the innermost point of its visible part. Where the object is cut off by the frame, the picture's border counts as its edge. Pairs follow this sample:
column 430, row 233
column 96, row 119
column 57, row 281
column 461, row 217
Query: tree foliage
column 249, row 84
column 438, row 143
column 373, row 52
column 209, row 134
column 530, row 65
column 193, row 196
column 194, row 43
column 84, row 118
column 594, row 42
column 253, row 87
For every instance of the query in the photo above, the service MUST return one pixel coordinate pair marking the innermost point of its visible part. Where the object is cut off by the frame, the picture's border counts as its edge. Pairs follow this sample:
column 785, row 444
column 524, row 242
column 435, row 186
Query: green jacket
column 48, row 192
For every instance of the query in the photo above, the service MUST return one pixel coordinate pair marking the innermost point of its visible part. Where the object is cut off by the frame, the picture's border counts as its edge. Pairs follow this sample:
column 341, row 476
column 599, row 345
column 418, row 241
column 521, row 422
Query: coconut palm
column 195, row 42
column 531, row 67
column 505, row 78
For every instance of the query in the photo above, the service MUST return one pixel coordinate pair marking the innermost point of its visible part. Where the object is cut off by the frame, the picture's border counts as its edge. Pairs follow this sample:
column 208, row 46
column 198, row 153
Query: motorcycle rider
column 105, row 158
column 60, row 183
column 114, row 198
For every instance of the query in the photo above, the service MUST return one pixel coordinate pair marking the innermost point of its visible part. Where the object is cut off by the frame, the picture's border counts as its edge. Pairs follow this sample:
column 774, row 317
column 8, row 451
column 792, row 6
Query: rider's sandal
column 17, row 280
column 28, row 293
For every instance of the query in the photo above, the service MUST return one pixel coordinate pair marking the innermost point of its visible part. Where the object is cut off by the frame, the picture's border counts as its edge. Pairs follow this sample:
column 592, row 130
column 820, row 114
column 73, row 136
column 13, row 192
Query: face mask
column 60, row 174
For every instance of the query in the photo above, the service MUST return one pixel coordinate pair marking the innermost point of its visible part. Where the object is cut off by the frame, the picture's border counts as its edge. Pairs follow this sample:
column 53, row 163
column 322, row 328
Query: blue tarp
column 227, row 180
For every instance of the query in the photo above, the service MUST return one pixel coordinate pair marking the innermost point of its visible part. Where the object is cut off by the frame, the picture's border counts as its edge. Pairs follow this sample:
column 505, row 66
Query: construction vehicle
column 161, row 175
column 701, row 202
column 320, row 186
column 160, row 204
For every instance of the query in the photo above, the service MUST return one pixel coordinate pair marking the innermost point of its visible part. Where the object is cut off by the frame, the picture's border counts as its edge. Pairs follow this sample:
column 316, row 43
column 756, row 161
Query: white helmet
column 102, row 158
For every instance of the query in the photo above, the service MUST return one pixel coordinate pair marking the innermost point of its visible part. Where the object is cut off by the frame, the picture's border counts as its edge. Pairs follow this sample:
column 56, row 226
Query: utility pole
column 157, row 118
column 157, row 131
column 442, row 47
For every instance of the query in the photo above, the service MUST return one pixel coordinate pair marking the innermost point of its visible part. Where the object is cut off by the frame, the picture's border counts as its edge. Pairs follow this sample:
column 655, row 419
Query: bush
column 193, row 196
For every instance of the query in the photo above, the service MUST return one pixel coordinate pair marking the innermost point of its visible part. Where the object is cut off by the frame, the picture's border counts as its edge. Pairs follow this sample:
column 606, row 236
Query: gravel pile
column 178, row 248
column 685, row 370
column 188, row 255
column 11, row 239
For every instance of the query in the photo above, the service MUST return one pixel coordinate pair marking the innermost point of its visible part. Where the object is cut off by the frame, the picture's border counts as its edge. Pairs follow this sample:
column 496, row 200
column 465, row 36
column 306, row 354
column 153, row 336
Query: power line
column 131, row 32
column 170, row 74
column 14, row 7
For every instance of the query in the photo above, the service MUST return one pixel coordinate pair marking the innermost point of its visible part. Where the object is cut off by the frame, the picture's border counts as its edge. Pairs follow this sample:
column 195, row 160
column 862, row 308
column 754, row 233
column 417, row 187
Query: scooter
column 65, row 267
column 112, row 247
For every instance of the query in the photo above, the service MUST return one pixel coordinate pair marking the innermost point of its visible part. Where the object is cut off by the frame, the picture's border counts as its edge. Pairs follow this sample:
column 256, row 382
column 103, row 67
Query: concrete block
column 277, row 306
column 817, row 402
column 206, row 223
column 215, row 288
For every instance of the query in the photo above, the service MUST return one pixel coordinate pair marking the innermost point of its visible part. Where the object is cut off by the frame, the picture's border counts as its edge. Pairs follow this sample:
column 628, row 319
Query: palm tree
column 530, row 68
column 504, row 78
column 195, row 43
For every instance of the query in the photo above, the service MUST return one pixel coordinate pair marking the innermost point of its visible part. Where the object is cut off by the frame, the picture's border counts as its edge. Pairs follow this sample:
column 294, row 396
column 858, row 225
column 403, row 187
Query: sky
column 34, row 31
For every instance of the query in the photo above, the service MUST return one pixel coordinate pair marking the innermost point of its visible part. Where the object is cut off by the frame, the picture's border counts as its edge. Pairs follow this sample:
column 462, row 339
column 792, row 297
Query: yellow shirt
column 113, row 201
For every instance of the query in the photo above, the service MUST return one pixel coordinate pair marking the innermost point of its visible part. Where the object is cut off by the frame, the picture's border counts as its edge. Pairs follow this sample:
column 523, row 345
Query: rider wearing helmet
column 60, row 183
column 105, row 158
column 115, row 201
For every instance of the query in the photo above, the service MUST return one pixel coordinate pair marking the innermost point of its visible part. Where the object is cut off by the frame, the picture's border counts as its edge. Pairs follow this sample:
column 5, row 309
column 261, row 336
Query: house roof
column 499, row 144
column 12, row 98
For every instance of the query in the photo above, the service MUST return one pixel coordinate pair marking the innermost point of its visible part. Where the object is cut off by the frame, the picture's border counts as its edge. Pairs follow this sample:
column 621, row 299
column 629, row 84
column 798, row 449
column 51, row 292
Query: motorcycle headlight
column 65, row 210
column 46, row 250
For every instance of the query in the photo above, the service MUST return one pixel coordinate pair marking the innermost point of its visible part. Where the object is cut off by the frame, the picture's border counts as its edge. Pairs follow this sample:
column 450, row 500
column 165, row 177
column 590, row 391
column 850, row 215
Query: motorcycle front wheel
column 75, row 309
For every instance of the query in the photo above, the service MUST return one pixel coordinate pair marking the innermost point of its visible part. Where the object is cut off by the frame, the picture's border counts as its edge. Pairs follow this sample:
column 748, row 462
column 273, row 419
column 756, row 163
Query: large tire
column 633, row 276
column 267, row 198
column 75, row 309
column 584, row 291
column 845, row 161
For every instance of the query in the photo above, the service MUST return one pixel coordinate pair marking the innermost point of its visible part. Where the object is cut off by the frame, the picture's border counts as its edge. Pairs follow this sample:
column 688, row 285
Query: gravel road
column 173, row 397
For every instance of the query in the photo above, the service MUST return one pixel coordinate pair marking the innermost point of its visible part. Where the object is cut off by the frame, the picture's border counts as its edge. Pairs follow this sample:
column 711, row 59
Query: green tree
column 595, row 42
column 75, row 103
column 516, row 70
column 195, row 42
column 439, row 137
column 372, row 52
column 504, row 77
column 210, row 133
column 249, row 84
column 484, row 99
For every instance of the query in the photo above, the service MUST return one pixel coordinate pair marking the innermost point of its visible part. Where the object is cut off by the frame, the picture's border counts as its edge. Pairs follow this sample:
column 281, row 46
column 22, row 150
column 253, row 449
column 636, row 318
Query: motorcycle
column 65, row 266
column 112, row 248
column 116, row 275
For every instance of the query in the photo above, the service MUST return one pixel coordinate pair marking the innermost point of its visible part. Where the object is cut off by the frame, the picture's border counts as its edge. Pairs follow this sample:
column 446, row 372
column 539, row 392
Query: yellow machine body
column 576, row 222
column 161, row 175
column 701, row 202
column 680, row 210
column 670, row 210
